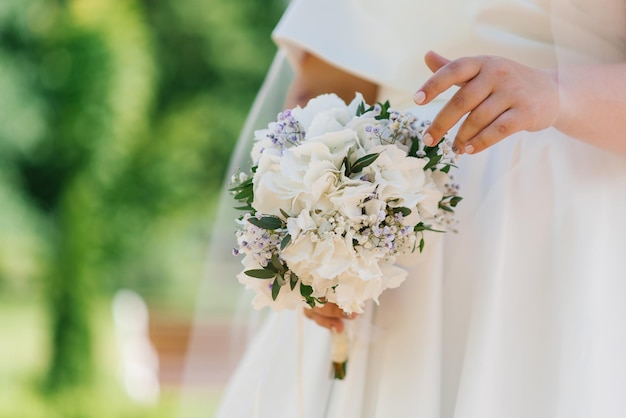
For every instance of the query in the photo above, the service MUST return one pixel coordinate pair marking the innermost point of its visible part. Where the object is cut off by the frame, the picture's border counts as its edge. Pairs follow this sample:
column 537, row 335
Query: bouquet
column 335, row 194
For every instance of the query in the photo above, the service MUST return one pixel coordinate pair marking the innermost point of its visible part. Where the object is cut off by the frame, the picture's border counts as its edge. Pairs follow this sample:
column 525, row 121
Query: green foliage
column 116, row 124
column 267, row 222
column 23, row 325
column 360, row 164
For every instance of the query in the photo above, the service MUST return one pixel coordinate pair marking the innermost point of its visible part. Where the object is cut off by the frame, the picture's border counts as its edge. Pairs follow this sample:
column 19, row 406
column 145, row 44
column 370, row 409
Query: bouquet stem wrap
column 340, row 346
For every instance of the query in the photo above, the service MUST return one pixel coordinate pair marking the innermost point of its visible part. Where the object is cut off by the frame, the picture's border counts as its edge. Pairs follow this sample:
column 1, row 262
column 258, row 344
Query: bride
column 521, row 313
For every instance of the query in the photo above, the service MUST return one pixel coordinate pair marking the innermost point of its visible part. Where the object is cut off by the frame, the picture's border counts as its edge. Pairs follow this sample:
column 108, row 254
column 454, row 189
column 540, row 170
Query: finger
column 331, row 310
column 464, row 101
column 503, row 126
column 434, row 61
column 479, row 118
column 455, row 72
column 324, row 321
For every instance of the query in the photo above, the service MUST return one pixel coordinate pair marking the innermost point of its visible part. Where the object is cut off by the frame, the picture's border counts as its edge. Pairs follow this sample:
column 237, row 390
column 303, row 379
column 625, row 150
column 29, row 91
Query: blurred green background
column 117, row 118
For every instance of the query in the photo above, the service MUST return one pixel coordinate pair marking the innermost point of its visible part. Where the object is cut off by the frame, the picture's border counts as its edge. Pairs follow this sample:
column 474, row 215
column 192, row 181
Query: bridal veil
column 522, row 313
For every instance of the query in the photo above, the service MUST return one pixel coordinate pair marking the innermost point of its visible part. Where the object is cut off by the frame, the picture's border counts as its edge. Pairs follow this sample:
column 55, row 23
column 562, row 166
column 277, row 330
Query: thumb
column 434, row 61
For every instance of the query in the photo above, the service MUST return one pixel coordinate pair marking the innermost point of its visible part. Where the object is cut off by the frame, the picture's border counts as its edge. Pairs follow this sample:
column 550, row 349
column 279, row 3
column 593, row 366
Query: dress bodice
column 385, row 42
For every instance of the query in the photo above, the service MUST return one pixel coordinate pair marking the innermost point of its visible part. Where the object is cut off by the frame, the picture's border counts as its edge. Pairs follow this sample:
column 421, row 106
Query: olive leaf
column 363, row 162
column 260, row 273
column 285, row 242
column 267, row 222
column 275, row 289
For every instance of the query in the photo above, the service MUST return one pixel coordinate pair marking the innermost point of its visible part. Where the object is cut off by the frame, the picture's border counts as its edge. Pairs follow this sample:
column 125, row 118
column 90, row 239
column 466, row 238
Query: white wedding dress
column 522, row 313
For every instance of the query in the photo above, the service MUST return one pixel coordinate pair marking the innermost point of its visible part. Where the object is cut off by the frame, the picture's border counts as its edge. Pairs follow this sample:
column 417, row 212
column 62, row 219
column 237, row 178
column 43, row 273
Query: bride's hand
column 500, row 96
column 328, row 316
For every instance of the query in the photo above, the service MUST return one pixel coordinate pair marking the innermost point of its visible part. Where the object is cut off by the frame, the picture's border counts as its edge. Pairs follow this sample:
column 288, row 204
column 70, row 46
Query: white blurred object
column 140, row 362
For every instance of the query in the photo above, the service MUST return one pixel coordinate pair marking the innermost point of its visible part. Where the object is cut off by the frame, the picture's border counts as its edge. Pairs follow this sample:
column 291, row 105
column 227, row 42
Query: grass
column 23, row 356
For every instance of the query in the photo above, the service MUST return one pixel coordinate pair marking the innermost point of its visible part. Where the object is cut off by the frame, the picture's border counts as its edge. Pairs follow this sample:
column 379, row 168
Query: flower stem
column 339, row 370
column 339, row 354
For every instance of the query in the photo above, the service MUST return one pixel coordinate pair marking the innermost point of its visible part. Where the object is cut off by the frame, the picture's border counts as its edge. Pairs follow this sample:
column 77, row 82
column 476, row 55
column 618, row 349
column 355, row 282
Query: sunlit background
column 117, row 118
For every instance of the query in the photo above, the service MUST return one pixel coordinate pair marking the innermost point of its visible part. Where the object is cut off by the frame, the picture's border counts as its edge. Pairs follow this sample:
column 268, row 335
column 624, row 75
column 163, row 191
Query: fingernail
column 419, row 97
column 428, row 140
column 469, row 149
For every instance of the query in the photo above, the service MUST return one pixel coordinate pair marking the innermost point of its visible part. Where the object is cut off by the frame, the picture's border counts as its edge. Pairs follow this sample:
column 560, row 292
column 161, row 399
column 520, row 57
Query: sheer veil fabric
column 519, row 314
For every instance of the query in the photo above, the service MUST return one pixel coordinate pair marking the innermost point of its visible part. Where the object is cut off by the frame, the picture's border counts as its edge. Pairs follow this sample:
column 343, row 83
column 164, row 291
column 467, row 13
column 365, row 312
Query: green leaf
column 244, row 194
column 415, row 146
column 360, row 109
column 455, row 201
column 306, row 291
column 346, row 164
column 363, row 162
column 293, row 280
column 275, row 289
column 285, row 214
column 281, row 280
column 422, row 244
column 434, row 160
column 422, row 227
column 246, row 208
column 446, row 169
column 244, row 185
column 267, row 222
column 404, row 211
column 260, row 273
column 285, row 242
column 277, row 264
column 384, row 110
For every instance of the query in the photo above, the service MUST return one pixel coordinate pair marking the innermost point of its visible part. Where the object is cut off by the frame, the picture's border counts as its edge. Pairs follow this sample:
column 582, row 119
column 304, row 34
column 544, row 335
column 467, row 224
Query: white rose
column 367, row 140
column 321, row 260
column 349, row 198
column 298, row 255
column 400, row 178
column 328, row 121
column 311, row 166
column 393, row 275
column 302, row 178
column 272, row 190
column 334, row 256
column 338, row 144
column 353, row 291
column 315, row 106
column 302, row 223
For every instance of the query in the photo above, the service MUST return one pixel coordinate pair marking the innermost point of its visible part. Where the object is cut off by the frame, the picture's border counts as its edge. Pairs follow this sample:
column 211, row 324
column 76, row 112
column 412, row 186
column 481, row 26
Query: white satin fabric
column 520, row 314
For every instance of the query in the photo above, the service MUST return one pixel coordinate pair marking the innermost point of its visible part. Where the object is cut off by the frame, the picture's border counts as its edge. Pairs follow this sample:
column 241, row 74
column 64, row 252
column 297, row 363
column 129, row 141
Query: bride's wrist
column 556, row 109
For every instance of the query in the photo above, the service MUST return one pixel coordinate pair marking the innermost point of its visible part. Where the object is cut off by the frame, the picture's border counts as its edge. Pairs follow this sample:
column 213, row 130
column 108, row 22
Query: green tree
column 116, row 124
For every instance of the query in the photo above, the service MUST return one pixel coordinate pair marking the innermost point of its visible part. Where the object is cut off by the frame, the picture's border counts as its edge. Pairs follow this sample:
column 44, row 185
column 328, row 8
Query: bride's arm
column 503, row 97
column 314, row 77
column 593, row 105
